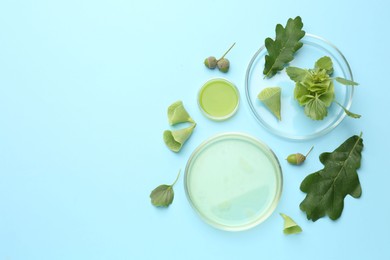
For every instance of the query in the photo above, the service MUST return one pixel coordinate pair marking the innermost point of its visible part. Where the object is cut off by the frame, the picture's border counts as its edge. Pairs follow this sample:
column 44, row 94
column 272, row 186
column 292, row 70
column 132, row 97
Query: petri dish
column 218, row 99
column 233, row 181
column 295, row 124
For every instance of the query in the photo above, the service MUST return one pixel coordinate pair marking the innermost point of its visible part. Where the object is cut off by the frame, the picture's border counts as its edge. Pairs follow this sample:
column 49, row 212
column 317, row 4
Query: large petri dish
column 233, row 181
column 295, row 124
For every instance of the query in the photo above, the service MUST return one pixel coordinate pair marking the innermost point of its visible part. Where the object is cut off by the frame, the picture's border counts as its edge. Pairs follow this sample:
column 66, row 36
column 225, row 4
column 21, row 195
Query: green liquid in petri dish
column 218, row 99
column 233, row 181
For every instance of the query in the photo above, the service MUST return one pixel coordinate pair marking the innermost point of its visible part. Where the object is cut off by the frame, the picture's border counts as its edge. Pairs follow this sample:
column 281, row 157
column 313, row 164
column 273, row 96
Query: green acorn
column 298, row 158
column 223, row 65
column 210, row 62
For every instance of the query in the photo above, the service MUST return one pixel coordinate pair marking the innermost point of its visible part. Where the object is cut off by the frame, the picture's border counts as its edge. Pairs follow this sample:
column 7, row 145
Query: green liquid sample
column 233, row 181
column 218, row 98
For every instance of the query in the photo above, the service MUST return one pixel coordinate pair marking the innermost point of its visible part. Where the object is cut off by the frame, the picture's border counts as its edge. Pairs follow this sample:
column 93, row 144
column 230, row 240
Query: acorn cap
column 271, row 98
column 296, row 158
column 223, row 65
column 210, row 62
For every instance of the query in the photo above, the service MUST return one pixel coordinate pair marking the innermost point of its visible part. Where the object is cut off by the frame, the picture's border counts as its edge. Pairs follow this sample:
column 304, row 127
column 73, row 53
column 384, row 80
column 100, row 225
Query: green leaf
column 316, row 109
column 178, row 114
column 297, row 74
column 271, row 99
column 327, row 188
column 302, row 94
column 163, row 195
column 290, row 226
column 346, row 81
column 319, row 87
column 175, row 139
column 315, row 90
column 328, row 96
column 325, row 63
column 319, row 75
column 349, row 113
column 281, row 50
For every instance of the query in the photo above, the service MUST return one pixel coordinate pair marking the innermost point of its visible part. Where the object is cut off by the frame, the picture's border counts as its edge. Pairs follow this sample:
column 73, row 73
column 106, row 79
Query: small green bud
column 210, row 62
column 223, row 65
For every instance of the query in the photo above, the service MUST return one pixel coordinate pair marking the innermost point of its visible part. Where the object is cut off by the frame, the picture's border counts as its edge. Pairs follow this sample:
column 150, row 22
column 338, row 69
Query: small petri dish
column 218, row 99
column 233, row 181
column 295, row 124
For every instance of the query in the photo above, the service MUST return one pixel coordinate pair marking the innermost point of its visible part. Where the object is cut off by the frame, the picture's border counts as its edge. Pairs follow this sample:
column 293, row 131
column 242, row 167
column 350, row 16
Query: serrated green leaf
column 327, row 188
column 316, row 109
column 346, row 81
column 281, row 50
column 326, row 64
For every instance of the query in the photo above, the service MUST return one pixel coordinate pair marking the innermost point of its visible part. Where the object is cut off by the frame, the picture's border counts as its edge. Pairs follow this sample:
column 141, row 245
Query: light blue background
column 84, row 87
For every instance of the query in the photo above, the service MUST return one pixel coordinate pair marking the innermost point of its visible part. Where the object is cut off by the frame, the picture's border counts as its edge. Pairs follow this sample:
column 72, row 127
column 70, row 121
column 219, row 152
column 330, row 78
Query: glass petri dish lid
column 295, row 124
column 233, row 181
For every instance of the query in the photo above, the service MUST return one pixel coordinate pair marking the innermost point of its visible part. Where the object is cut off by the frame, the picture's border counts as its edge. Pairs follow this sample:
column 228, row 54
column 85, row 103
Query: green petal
column 175, row 139
column 290, row 227
column 178, row 114
column 271, row 98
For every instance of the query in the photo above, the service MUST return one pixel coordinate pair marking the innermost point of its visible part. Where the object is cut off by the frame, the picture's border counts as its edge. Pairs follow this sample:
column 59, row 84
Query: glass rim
column 350, row 90
column 219, row 118
column 265, row 214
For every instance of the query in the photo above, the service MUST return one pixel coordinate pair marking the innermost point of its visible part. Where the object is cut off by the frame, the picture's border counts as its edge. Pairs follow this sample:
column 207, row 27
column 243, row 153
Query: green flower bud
column 223, row 65
column 210, row 62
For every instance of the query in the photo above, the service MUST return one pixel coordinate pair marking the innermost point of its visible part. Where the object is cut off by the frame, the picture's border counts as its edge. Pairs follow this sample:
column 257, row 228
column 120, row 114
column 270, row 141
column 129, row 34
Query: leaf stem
column 345, row 82
column 223, row 56
column 348, row 157
column 309, row 151
column 177, row 178
column 349, row 113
